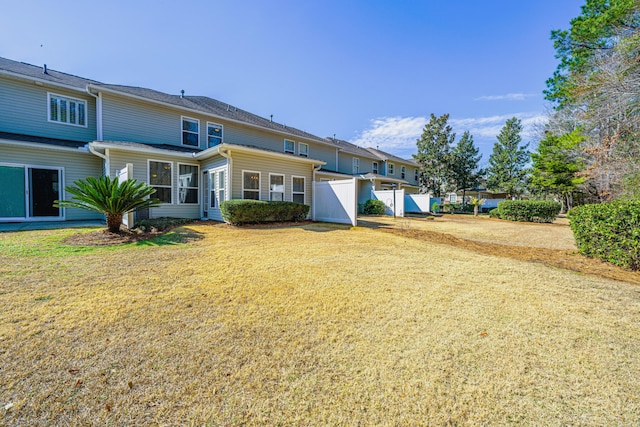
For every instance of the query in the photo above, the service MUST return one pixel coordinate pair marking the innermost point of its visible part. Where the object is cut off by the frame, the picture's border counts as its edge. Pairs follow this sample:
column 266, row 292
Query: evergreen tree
column 433, row 154
column 464, row 160
column 556, row 166
column 507, row 162
column 591, row 33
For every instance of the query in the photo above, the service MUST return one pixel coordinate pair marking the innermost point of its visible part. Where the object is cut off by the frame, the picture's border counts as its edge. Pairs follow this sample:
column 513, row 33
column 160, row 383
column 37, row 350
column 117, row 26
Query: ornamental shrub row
column 239, row 212
column 374, row 207
column 529, row 210
column 609, row 231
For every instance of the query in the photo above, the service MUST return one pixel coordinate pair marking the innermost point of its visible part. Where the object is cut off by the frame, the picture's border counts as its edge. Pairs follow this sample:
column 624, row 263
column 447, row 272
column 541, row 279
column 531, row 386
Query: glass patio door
column 28, row 193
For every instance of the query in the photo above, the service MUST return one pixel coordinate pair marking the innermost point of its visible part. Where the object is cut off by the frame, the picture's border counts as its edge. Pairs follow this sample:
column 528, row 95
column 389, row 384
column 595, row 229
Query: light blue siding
column 76, row 165
column 23, row 110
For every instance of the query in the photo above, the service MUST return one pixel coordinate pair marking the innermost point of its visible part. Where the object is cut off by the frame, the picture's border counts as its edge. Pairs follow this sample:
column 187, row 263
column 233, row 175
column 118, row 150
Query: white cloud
column 507, row 97
column 398, row 135
column 489, row 127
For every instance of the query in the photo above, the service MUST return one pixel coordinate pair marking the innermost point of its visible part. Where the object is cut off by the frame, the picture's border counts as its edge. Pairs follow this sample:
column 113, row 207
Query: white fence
column 393, row 200
column 336, row 201
column 417, row 203
column 123, row 175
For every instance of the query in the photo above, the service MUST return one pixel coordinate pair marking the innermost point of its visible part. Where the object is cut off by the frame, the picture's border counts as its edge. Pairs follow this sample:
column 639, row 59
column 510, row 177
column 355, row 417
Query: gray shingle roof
column 387, row 156
column 352, row 148
column 38, row 73
column 41, row 140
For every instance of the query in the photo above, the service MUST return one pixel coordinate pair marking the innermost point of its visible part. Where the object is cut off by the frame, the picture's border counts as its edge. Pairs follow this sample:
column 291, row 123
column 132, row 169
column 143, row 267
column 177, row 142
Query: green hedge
column 493, row 213
column 529, row 210
column 257, row 211
column 609, row 231
column 374, row 207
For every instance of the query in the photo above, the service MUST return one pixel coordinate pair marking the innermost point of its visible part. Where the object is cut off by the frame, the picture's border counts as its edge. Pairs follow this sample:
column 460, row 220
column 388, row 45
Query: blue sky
column 370, row 72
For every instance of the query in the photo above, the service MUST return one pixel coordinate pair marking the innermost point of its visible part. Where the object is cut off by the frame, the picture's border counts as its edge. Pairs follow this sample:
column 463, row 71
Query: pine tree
column 556, row 166
column 507, row 162
column 433, row 155
column 463, row 165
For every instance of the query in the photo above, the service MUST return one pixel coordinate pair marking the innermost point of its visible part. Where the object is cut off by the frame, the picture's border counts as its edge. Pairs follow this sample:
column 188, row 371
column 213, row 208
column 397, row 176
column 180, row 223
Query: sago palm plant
column 109, row 197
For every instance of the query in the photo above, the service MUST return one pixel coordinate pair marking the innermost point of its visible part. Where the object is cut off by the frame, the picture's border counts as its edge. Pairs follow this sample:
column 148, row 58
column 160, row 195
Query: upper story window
column 403, row 172
column 391, row 169
column 214, row 134
column 416, row 174
column 375, row 167
column 70, row 111
column 190, row 132
column 289, row 146
column 355, row 165
column 303, row 149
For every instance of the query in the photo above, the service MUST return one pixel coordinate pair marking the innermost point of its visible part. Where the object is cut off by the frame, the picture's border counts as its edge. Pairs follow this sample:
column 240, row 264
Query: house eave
column 231, row 148
column 44, row 82
column 41, row 146
column 103, row 145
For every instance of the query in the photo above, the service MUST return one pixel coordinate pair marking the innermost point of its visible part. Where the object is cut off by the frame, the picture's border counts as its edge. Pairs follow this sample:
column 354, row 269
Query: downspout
column 315, row 169
column 106, row 164
column 98, row 98
column 227, row 156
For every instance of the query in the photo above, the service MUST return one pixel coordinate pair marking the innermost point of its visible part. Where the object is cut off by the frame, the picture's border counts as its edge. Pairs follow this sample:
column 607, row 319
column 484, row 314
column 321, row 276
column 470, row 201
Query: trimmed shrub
column 609, row 231
column 529, row 210
column 374, row 207
column 239, row 212
column 493, row 213
column 434, row 207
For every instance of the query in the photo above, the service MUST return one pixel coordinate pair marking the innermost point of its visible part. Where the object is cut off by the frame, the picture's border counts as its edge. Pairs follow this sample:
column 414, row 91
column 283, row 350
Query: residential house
column 56, row 128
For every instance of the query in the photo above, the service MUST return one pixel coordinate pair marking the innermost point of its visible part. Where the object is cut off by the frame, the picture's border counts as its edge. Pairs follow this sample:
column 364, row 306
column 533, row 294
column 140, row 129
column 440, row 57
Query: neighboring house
column 56, row 128
column 375, row 170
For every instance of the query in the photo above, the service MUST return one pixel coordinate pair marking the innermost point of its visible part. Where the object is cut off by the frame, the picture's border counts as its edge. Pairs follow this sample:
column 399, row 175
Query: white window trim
column 355, row 165
column 218, row 188
column 391, row 169
column 374, row 167
column 304, row 188
column 251, row 189
column 403, row 172
column 416, row 175
column 182, row 131
column 285, row 146
column 221, row 132
column 300, row 153
column 197, row 186
column 68, row 98
column 283, row 185
column 161, row 186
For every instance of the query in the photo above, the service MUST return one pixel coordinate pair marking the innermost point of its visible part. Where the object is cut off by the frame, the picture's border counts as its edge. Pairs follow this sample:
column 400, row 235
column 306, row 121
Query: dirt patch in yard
column 560, row 258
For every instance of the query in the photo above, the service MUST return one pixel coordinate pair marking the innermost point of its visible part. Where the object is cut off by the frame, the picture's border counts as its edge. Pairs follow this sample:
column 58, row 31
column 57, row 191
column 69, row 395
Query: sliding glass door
column 28, row 192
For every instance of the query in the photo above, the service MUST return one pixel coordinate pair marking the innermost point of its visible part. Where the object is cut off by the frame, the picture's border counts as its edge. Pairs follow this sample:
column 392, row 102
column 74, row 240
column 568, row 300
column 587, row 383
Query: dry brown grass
column 311, row 325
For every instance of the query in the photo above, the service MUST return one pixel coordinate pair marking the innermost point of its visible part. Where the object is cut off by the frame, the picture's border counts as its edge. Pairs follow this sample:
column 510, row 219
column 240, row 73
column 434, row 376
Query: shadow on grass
column 176, row 236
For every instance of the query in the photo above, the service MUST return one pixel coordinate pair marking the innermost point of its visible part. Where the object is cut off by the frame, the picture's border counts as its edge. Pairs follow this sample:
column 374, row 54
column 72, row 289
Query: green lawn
column 313, row 325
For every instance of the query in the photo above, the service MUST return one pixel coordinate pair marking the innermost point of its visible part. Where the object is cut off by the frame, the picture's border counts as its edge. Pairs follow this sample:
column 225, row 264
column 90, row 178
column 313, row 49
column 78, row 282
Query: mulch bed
column 105, row 238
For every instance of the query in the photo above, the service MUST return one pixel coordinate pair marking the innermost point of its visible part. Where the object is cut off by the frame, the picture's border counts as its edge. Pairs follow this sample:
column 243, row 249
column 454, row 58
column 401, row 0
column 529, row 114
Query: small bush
column 160, row 224
column 239, row 212
column 609, row 231
column 493, row 213
column 529, row 210
column 434, row 207
column 374, row 207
